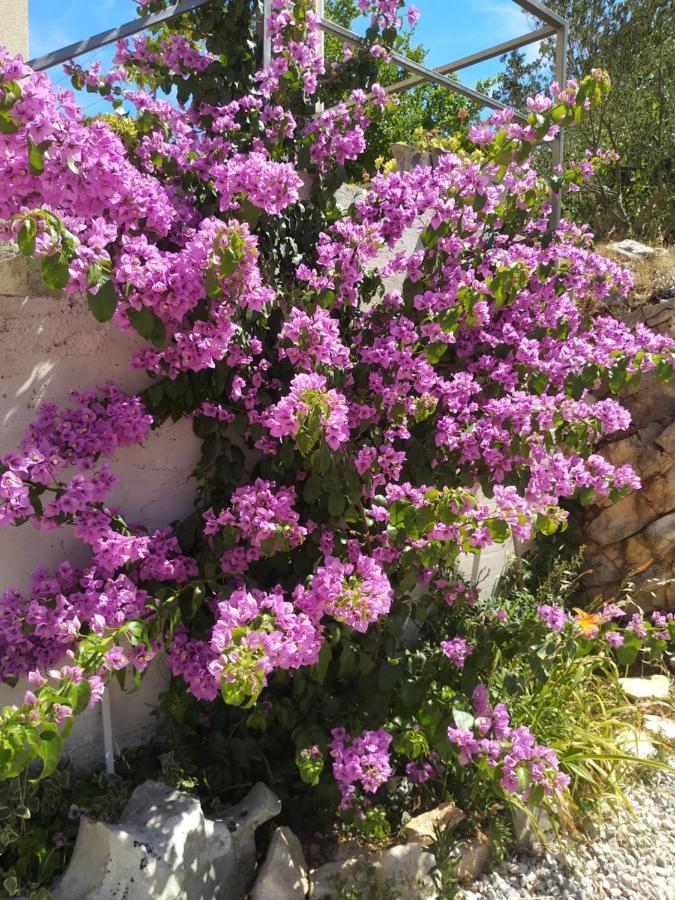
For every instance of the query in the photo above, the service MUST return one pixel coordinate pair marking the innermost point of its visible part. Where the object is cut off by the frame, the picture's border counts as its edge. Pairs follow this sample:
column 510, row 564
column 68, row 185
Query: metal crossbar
column 465, row 61
column 423, row 72
column 72, row 51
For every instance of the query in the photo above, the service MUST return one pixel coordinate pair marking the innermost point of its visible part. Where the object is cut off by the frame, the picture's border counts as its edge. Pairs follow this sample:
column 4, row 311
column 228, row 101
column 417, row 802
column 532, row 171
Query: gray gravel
column 631, row 858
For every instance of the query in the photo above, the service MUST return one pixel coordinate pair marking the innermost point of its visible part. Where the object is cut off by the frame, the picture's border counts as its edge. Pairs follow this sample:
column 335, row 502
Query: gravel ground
column 629, row 859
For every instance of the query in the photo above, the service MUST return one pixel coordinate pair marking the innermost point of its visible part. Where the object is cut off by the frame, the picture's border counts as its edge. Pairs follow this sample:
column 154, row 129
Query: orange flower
column 589, row 623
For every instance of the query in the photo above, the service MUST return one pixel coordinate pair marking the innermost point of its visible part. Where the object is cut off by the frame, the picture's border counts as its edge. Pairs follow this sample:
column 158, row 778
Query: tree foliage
column 635, row 41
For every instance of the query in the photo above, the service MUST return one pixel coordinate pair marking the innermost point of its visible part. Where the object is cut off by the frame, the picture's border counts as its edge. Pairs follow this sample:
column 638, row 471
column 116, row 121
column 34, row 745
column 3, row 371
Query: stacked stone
column 637, row 534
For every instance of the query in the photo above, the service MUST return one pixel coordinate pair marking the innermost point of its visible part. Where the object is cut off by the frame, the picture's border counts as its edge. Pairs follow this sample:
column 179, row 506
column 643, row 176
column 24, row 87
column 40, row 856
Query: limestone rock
column 403, row 872
column 624, row 518
column 657, row 687
column 636, row 742
column 284, row 874
column 165, row 848
column 666, row 440
column 529, row 834
column 422, row 829
column 400, row 873
column 633, row 250
column 660, row 727
column 475, row 855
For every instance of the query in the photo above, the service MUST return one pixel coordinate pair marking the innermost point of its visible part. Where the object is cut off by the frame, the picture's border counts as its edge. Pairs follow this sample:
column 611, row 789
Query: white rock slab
column 166, row 849
column 284, row 875
column 636, row 742
column 656, row 687
column 660, row 727
column 632, row 249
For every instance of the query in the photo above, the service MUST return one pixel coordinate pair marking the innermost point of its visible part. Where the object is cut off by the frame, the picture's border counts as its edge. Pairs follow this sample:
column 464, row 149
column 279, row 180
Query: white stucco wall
column 48, row 346
column 14, row 25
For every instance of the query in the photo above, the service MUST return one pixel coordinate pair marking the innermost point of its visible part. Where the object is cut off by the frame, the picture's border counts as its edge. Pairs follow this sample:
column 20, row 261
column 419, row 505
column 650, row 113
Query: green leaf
column 664, row 369
column 55, row 272
column 148, row 324
column 539, row 382
column 546, row 524
column 436, row 351
column 26, row 236
column 409, row 580
column 8, row 124
column 313, row 489
column 11, row 885
column 36, row 163
column 617, row 378
column 49, row 750
column 319, row 670
column 249, row 213
column 211, row 284
column 627, row 653
column 82, row 695
column 336, row 504
column 228, row 263
column 499, row 530
column 463, row 719
column 103, row 303
column 586, row 495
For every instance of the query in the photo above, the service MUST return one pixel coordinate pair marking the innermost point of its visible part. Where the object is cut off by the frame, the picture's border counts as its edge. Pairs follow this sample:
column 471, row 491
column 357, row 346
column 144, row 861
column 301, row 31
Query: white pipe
column 108, row 747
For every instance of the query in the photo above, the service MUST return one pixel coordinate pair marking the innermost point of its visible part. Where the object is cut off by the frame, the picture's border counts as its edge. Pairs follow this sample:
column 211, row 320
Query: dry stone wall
column 638, row 532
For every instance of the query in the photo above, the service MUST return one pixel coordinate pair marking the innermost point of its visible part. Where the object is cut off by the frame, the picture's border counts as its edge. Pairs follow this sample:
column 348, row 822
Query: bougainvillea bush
column 357, row 436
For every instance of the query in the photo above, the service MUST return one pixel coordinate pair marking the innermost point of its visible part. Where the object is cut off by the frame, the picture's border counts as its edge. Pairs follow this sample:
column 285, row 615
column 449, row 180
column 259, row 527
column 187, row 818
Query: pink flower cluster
column 511, row 750
column 457, row 651
column 254, row 634
column 35, row 631
column 313, row 341
column 312, row 407
column 262, row 522
column 76, row 437
column 360, row 760
column 356, row 593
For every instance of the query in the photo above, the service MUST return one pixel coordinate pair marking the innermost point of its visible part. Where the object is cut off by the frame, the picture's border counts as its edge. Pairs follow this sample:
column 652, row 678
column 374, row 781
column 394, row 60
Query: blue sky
column 448, row 28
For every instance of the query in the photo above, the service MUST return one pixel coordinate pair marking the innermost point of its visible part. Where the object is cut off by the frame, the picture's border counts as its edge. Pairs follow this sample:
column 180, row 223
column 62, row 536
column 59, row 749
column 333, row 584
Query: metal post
column 266, row 37
column 319, row 107
column 559, row 143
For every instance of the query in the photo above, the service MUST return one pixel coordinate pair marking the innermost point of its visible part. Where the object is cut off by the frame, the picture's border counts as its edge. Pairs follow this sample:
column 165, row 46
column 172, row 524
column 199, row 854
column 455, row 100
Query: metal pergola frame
column 554, row 27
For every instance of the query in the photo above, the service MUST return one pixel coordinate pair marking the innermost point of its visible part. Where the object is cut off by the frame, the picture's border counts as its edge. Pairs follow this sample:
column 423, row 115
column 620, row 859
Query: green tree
column 634, row 40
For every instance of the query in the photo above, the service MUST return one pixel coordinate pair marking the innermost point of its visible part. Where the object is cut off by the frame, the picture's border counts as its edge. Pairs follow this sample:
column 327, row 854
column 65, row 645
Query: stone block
column 402, row 872
column 422, row 829
column 660, row 727
column 165, row 848
column 475, row 855
column 284, row 874
column 632, row 250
